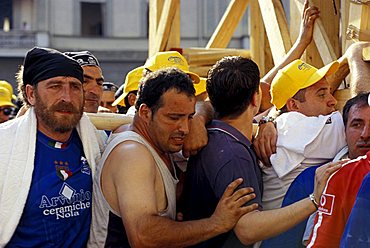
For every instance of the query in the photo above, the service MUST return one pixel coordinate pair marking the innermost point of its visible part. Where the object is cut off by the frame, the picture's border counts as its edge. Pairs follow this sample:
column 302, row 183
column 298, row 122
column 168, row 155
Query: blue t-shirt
column 300, row 188
column 58, row 207
column 357, row 231
column 227, row 156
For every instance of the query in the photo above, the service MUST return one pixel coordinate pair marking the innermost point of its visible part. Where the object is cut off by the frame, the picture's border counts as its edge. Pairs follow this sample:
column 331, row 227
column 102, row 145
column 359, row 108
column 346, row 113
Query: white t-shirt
column 302, row 142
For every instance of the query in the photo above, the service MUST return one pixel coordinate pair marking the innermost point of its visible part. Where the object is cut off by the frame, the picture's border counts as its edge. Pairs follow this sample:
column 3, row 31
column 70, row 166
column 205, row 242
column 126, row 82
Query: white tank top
column 101, row 208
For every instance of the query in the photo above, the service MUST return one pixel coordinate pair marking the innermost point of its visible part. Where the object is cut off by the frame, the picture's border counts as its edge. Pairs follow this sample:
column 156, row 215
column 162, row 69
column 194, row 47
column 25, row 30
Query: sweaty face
column 93, row 87
column 59, row 103
column 319, row 100
column 107, row 99
column 169, row 126
column 358, row 131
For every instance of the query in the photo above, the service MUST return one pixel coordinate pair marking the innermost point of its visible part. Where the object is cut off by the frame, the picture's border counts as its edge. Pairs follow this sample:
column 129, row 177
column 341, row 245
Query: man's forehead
column 92, row 69
column 359, row 111
column 322, row 83
column 61, row 80
column 173, row 98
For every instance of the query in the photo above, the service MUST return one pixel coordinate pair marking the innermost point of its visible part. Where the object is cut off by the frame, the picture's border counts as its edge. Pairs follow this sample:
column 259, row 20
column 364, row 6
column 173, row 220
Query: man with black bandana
column 48, row 157
column 93, row 79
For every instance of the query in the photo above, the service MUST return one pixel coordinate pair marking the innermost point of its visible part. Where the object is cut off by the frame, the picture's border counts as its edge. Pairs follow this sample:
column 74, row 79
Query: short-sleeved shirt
column 337, row 201
column 357, row 230
column 58, row 207
column 300, row 188
column 227, row 156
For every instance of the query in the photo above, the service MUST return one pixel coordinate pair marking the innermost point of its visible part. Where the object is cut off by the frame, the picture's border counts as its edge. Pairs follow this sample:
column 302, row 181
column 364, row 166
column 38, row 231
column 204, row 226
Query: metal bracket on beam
column 360, row 1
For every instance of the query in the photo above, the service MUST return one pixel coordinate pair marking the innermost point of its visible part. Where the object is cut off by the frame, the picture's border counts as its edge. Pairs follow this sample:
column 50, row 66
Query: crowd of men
column 301, row 180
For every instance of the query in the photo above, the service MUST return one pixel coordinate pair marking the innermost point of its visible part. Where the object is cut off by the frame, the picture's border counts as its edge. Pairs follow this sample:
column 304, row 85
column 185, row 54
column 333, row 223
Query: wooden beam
column 200, row 70
column 344, row 7
column 358, row 23
column 366, row 54
column 108, row 121
column 276, row 28
column 155, row 10
column 210, row 56
column 320, row 38
column 174, row 36
column 229, row 22
column 257, row 37
column 168, row 13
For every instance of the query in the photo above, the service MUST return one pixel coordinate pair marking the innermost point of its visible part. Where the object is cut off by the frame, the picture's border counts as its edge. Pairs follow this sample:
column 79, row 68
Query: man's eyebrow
column 356, row 119
column 89, row 77
column 322, row 88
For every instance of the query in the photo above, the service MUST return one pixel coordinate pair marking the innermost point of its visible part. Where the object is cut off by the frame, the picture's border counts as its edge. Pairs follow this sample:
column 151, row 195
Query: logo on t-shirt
column 328, row 121
column 85, row 168
column 62, row 169
column 326, row 204
column 69, row 203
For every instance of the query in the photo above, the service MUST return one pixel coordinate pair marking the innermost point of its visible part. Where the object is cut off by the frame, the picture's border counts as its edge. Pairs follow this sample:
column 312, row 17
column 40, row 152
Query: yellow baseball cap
column 170, row 59
column 132, row 81
column 296, row 76
column 201, row 86
column 8, row 86
column 5, row 97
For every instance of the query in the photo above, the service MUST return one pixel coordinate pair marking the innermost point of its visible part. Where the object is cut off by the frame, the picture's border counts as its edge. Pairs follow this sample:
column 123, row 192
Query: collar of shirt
column 217, row 125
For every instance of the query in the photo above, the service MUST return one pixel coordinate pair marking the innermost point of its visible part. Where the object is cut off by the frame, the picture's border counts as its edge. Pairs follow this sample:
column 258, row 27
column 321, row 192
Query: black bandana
column 44, row 63
column 84, row 58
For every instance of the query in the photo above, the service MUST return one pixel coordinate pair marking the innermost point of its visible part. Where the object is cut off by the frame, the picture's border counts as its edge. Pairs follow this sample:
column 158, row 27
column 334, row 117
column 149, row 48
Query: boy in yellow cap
column 308, row 123
column 158, row 61
column 6, row 105
column 8, row 86
column 128, row 97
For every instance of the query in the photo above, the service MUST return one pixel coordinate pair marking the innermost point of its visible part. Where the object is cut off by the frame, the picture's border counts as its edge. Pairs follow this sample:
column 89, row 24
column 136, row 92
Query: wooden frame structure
column 270, row 35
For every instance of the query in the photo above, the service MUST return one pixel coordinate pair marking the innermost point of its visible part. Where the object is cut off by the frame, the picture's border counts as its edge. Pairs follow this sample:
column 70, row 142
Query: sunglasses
column 7, row 110
column 110, row 88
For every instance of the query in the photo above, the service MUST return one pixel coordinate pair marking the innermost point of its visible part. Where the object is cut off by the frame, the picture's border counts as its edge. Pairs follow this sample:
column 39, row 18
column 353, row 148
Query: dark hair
column 231, row 83
column 361, row 100
column 155, row 84
column 21, row 86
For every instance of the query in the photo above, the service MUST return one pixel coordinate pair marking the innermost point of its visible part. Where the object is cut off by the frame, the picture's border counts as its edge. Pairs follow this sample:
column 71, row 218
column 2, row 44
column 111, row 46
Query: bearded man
column 47, row 157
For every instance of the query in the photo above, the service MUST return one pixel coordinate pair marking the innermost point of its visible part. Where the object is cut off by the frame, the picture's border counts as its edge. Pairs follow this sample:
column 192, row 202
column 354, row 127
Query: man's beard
column 58, row 124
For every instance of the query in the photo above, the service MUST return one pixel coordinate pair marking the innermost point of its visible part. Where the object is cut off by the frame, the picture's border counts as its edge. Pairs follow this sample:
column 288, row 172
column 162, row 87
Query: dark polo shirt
column 227, row 156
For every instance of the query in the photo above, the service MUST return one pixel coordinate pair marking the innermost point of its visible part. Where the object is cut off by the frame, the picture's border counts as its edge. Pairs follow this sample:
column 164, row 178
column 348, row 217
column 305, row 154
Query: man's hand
column 197, row 137
column 265, row 142
column 322, row 175
column 231, row 206
column 309, row 15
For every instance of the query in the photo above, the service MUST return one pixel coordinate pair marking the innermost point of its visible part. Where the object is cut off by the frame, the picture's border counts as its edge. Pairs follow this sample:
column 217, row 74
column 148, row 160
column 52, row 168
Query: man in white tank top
column 135, row 185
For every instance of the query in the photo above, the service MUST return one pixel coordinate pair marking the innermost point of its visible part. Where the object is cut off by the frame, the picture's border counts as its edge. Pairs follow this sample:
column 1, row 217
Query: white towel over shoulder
column 17, row 155
column 306, row 139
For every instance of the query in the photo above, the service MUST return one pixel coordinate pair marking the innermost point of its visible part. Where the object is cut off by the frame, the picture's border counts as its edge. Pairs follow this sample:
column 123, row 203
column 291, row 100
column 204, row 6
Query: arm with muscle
column 132, row 170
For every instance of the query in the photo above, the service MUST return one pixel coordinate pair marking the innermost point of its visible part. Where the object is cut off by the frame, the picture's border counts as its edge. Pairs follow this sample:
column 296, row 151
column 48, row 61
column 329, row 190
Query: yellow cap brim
column 6, row 103
column 194, row 77
column 120, row 100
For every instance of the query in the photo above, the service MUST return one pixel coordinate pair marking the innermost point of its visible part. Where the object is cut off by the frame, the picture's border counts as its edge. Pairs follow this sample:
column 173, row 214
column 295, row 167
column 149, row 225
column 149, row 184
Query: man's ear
column 30, row 93
column 131, row 98
column 292, row 104
column 256, row 99
column 145, row 112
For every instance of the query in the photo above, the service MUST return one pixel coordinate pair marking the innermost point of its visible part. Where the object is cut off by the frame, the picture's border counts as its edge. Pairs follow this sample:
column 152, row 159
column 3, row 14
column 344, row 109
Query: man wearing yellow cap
column 307, row 124
column 128, row 97
column 6, row 105
column 9, row 87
